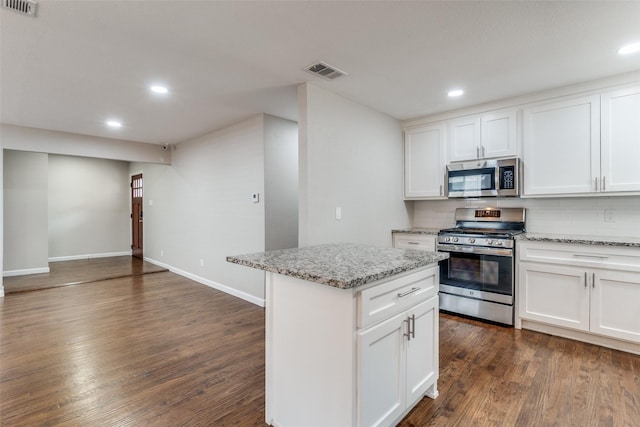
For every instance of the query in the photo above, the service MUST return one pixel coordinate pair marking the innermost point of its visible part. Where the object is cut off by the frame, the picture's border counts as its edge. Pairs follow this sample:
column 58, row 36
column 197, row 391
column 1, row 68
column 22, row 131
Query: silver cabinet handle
column 413, row 243
column 585, row 279
column 478, row 152
column 593, row 280
column 604, row 183
column 482, row 150
column 441, row 190
column 408, row 333
column 590, row 256
column 413, row 325
column 410, row 291
column 596, row 189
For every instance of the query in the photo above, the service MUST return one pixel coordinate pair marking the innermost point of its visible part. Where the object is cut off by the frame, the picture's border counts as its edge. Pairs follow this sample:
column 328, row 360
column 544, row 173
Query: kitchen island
column 351, row 333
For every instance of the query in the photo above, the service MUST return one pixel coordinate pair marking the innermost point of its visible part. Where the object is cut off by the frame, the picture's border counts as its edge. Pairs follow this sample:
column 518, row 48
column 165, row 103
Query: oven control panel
column 476, row 241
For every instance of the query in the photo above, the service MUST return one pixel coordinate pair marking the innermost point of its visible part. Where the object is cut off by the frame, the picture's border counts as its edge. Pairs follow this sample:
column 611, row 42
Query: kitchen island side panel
column 310, row 354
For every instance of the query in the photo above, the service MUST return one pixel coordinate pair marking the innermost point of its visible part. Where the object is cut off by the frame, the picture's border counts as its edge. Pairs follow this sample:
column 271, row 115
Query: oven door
column 484, row 273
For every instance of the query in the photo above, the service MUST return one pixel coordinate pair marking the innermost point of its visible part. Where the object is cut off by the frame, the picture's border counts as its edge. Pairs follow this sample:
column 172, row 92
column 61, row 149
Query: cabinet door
column 615, row 304
column 561, row 147
column 465, row 139
column 621, row 140
column 554, row 294
column 381, row 372
column 422, row 350
column 424, row 162
column 498, row 134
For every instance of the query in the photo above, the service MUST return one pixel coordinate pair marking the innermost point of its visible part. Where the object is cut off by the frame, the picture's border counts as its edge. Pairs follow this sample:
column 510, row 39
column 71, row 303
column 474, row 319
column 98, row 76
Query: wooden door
column 136, row 216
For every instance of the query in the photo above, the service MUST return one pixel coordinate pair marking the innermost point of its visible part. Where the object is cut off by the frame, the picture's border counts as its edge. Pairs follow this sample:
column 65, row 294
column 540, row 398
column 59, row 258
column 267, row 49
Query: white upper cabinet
column 588, row 145
column 483, row 136
column 424, row 162
column 620, row 161
column 464, row 143
column 561, row 147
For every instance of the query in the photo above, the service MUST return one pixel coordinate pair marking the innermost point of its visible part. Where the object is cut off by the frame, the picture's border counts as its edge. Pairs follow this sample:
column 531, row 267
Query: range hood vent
column 25, row 7
column 325, row 71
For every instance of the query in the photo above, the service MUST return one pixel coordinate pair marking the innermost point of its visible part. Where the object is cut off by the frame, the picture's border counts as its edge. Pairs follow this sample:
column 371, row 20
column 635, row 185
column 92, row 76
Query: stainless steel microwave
column 484, row 178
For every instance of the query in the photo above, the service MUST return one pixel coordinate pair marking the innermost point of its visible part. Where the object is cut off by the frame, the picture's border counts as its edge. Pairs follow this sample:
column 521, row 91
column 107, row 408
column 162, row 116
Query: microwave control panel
column 507, row 177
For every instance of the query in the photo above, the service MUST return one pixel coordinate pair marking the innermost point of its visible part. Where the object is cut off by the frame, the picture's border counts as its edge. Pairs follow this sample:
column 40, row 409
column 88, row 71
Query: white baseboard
column 1, row 291
column 24, row 272
column 210, row 283
column 88, row 256
column 590, row 338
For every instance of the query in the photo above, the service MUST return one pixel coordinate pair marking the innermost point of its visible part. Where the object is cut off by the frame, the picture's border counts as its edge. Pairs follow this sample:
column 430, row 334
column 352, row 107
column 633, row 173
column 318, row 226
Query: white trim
column 210, row 283
column 587, row 337
column 24, row 272
column 88, row 256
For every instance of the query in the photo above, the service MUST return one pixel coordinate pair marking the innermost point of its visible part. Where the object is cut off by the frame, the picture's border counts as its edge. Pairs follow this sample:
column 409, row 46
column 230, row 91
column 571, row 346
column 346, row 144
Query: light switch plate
column 255, row 197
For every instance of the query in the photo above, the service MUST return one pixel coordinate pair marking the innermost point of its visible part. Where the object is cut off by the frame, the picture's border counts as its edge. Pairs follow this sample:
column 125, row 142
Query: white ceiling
column 79, row 63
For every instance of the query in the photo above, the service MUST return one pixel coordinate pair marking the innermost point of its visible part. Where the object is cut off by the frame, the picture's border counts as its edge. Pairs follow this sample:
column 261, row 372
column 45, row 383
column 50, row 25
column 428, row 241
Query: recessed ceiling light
column 454, row 93
column 159, row 89
column 114, row 123
column 629, row 49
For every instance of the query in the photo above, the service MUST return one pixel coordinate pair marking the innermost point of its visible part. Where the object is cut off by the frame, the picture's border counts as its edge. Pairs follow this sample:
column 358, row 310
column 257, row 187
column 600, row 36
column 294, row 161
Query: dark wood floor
column 76, row 272
column 161, row 350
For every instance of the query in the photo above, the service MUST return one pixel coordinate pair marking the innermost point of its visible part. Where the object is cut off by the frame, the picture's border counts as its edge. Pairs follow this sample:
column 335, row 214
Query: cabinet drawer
column 383, row 301
column 586, row 256
column 423, row 242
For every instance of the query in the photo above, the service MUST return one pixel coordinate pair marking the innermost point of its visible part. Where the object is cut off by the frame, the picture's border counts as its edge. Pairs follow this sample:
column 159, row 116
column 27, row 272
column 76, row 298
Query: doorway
column 136, row 216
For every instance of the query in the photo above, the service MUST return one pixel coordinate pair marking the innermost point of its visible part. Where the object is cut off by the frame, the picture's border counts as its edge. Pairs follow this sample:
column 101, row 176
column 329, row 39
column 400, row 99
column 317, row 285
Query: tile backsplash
column 588, row 216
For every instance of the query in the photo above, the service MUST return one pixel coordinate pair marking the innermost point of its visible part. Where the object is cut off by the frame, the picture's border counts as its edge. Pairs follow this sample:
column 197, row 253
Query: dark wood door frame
column 136, row 216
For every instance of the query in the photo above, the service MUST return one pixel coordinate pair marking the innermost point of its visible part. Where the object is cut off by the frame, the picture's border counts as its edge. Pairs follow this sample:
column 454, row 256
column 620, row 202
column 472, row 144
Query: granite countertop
column 342, row 265
column 418, row 230
column 581, row 239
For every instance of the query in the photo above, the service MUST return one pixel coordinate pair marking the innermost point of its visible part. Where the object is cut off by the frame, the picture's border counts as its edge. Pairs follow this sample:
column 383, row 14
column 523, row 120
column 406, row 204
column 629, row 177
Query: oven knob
column 455, row 239
column 472, row 240
column 447, row 239
column 499, row 243
column 489, row 241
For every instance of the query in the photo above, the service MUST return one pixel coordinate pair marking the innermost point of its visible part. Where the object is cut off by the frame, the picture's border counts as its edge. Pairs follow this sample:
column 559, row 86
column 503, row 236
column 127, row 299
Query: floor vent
column 325, row 71
column 26, row 7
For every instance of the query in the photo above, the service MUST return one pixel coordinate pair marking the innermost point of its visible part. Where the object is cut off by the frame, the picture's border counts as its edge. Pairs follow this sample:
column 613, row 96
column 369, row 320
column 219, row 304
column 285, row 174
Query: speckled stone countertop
column 418, row 231
column 633, row 242
column 342, row 265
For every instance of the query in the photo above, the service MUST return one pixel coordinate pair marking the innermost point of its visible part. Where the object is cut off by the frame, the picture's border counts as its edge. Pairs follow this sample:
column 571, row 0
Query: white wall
column 62, row 207
column 350, row 157
column 48, row 141
column 281, row 183
column 200, row 208
column 1, row 218
column 578, row 215
column 25, row 213
column 88, row 207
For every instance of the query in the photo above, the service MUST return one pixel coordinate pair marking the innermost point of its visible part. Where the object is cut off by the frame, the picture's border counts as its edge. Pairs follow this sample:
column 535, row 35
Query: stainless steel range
column 478, row 278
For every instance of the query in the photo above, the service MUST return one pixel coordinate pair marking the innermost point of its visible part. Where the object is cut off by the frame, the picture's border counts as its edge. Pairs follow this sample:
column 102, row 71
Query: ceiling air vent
column 325, row 71
column 26, row 7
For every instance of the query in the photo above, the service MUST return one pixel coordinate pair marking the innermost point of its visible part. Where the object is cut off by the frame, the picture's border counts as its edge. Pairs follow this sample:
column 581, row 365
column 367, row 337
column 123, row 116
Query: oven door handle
column 476, row 250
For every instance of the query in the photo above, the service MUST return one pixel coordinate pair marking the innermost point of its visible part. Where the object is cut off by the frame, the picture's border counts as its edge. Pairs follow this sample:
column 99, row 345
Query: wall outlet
column 201, row 262
column 338, row 213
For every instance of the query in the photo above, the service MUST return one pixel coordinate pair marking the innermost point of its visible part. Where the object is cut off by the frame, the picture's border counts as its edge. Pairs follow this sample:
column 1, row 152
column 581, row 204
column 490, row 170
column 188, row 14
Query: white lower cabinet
column 350, row 357
column 398, row 364
column 594, row 289
column 615, row 304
